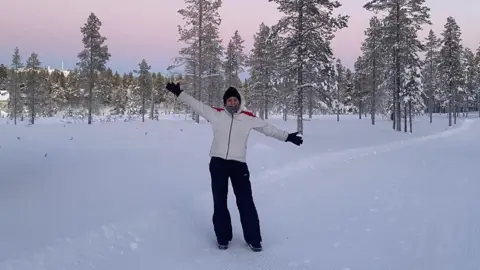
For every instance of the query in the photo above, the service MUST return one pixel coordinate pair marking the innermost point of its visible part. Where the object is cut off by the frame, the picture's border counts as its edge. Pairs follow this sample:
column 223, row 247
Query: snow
column 132, row 195
column 4, row 96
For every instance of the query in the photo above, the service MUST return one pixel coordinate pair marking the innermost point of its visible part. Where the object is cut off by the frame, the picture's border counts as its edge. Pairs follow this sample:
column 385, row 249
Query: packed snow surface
column 132, row 195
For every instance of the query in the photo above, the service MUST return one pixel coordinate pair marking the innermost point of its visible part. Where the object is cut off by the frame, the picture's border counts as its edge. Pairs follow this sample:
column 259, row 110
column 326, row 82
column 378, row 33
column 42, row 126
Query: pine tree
column 213, row 65
column 339, row 87
column 15, row 83
column 144, row 84
column 262, row 62
column 471, row 80
column 235, row 60
column 413, row 85
column 360, row 86
column 94, row 56
column 451, row 65
column 477, row 61
column 34, row 83
column 430, row 70
column 308, row 27
column 200, row 17
column 3, row 76
column 402, row 21
column 373, row 53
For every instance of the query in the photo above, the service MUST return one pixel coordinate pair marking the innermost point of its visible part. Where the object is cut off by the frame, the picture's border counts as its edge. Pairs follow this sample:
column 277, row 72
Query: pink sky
column 148, row 28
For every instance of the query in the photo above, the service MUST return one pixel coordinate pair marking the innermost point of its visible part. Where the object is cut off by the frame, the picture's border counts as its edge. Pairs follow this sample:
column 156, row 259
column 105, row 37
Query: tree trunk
column 300, row 74
column 359, row 109
column 410, row 115
column 32, row 106
column 200, row 60
column 455, row 107
column 15, row 96
column 152, row 98
column 143, row 104
column 398, row 69
column 90, row 97
column 430, row 108
column 338, row 102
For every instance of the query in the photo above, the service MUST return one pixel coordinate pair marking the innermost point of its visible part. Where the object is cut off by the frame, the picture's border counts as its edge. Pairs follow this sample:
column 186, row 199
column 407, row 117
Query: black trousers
column 220, row 171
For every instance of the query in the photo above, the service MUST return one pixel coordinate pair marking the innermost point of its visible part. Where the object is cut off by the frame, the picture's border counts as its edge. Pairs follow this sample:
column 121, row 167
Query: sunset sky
column 148, row 28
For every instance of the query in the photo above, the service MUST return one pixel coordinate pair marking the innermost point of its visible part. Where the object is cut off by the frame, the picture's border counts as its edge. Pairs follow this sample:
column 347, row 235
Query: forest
column 292, row 70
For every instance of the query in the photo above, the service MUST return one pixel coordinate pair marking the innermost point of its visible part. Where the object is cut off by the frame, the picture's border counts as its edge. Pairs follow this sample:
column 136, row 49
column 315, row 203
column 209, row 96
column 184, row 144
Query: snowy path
column 352, row 209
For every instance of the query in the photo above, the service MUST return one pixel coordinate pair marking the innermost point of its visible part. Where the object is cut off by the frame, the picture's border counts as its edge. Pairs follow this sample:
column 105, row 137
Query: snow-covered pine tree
column 213, row 54
column 308, row 27
column 144, row 86
column 93, row 57
column 339, row 88
column 235, row 60
column 119, row 96
column 284, row 80
column 158, row 95
column 403, row 17
column 34, row 85
column 360, row 92
column 73, row 94
column 412, row 90
column 430, row 71
column 412, row 96
column 373, row 53
column 450, row 65
column 47, row 100
column 477, row 86
column 471, row 80
column 15, row 82
column 197, row 15
column 262, row 62
column 105, row 88
column 349, row 91
column 57, row 89
column 133, row 104
column 3, row 76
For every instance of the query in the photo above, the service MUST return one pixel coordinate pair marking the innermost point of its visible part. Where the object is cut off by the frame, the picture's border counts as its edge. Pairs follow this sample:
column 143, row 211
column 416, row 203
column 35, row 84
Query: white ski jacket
column 230, row 133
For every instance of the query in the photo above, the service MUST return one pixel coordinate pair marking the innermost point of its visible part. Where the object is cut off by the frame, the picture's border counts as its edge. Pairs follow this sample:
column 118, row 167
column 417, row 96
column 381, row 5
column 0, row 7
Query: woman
column 231, row 128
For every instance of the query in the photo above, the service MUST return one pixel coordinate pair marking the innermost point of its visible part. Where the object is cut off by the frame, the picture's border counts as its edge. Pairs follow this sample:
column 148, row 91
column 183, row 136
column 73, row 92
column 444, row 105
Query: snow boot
column 222, row 245
column 256, row 247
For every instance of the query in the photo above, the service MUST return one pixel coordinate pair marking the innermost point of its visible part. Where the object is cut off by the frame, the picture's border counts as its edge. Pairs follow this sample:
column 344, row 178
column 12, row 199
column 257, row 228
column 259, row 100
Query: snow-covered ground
column 132, row 195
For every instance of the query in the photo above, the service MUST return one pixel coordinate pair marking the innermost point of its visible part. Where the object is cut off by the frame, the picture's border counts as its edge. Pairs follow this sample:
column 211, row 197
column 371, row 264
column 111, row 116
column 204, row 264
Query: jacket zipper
column 229, row 135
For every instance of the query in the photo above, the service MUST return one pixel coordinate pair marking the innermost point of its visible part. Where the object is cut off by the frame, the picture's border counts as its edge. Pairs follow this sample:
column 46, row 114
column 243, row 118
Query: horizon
column 134, row 32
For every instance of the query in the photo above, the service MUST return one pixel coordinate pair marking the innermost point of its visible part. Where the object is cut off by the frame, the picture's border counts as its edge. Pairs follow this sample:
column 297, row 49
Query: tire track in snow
column 284, row 171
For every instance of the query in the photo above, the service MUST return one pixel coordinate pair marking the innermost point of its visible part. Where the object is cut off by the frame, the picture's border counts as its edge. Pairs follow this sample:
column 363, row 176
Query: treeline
column 292, row 68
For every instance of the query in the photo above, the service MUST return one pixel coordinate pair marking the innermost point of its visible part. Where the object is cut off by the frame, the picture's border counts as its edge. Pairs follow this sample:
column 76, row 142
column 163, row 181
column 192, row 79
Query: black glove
column 174, row 88
column 294, row 138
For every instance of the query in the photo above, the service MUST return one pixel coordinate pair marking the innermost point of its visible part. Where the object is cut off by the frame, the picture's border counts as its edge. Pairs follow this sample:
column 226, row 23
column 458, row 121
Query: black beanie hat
column 231, row 92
